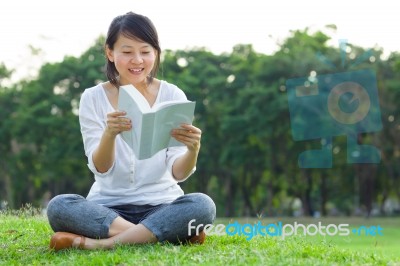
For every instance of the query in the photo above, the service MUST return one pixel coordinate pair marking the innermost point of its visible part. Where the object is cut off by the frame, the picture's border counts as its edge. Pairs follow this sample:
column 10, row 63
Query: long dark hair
column 135, row 26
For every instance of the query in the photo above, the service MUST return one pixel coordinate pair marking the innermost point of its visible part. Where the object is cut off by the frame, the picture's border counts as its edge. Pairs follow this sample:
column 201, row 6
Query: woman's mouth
column 136, row 70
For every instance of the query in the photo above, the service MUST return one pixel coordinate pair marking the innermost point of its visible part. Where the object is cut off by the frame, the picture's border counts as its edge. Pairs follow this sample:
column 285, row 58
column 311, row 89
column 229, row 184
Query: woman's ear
column 109, row 53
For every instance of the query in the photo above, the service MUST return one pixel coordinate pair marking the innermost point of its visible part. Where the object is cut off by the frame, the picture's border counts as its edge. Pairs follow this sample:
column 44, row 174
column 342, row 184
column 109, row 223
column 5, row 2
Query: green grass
column 386, row 246
column 24, row 240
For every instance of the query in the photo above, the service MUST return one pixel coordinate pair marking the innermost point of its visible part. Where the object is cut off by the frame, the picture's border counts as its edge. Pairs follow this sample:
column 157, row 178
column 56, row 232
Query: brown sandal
column 64, row 240
column 198, row 239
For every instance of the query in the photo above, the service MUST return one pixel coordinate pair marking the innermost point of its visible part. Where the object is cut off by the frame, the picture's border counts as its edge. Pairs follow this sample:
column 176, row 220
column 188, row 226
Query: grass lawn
column 365, row 241
column 24, row 240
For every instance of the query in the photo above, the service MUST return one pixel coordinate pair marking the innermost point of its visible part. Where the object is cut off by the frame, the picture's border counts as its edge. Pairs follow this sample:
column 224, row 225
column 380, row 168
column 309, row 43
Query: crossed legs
column 103, row 227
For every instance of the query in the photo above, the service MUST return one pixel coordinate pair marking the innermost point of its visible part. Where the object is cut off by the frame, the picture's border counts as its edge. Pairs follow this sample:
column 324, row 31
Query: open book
column 151, row 126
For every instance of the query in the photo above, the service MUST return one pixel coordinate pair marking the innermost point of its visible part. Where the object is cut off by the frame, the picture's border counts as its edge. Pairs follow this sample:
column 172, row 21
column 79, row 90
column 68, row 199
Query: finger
column 116, row 114
column 123, row 120
column 186, row 133
column 120, row 112
column 190, row 143
column 119, row 119
column 191, row 128
column 189, row 139
column 117, row 124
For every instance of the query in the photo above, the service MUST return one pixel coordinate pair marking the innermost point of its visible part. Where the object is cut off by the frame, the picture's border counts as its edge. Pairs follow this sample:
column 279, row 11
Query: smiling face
column 133, row 59
column 132, row 49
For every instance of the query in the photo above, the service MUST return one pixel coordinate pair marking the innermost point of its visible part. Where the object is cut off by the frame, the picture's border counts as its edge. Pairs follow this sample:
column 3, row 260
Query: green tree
column 8, row 105
column 45, row 128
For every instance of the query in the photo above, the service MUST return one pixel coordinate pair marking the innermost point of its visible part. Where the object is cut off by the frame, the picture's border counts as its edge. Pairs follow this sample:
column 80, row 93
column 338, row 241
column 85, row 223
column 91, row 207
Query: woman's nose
column 136, row 58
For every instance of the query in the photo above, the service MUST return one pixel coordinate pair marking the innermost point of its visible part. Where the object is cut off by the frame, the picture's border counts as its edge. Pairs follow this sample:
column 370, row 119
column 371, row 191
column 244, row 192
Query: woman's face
column 133, row 60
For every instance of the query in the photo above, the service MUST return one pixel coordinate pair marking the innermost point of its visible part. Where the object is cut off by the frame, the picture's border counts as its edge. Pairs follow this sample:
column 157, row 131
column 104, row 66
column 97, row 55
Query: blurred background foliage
column 248, row 161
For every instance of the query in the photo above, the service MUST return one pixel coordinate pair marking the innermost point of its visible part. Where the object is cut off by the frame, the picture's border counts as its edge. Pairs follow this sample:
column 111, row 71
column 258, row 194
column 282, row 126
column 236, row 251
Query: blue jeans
column 168, row 222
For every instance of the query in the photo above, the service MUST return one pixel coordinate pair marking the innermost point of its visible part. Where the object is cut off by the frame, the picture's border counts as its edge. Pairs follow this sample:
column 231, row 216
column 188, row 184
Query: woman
column 131, row 201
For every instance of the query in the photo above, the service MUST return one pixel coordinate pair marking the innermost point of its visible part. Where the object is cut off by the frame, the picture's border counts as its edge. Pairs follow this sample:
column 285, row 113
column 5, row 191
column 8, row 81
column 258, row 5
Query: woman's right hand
column 118, row 122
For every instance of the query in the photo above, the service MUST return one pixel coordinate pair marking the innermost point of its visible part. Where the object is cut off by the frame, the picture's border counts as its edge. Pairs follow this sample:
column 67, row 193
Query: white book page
column 165, row 104
column 133, row 112
column 168, row 118
column 136, row 96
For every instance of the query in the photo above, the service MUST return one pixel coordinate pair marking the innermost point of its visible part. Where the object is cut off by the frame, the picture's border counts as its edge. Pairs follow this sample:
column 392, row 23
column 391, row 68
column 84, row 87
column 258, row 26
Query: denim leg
column 73, row 213
column 170, row 222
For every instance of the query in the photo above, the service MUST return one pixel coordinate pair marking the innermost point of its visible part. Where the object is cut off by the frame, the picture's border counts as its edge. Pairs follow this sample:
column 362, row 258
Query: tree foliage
column 248, row 160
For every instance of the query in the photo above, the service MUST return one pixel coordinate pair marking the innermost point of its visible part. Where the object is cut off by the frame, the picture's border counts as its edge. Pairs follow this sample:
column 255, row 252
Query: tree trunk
column 323, row 195
column 8, row 190
column 248, row 209
column 306, row 195
column 230, row 192
column 366, row 173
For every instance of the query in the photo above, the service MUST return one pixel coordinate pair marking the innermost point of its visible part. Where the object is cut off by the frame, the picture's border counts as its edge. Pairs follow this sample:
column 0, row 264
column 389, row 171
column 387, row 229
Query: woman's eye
column 126, row 52
column 146, row 52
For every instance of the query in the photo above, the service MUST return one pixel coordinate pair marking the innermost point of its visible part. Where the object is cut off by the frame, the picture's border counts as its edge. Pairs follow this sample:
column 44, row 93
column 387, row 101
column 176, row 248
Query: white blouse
column 129, row 180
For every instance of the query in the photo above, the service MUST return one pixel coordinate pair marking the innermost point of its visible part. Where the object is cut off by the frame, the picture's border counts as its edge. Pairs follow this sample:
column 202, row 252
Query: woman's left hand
column 188, row 135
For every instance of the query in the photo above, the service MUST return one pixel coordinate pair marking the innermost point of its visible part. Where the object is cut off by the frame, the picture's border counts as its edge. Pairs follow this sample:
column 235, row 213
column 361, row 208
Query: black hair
column 135, row 26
